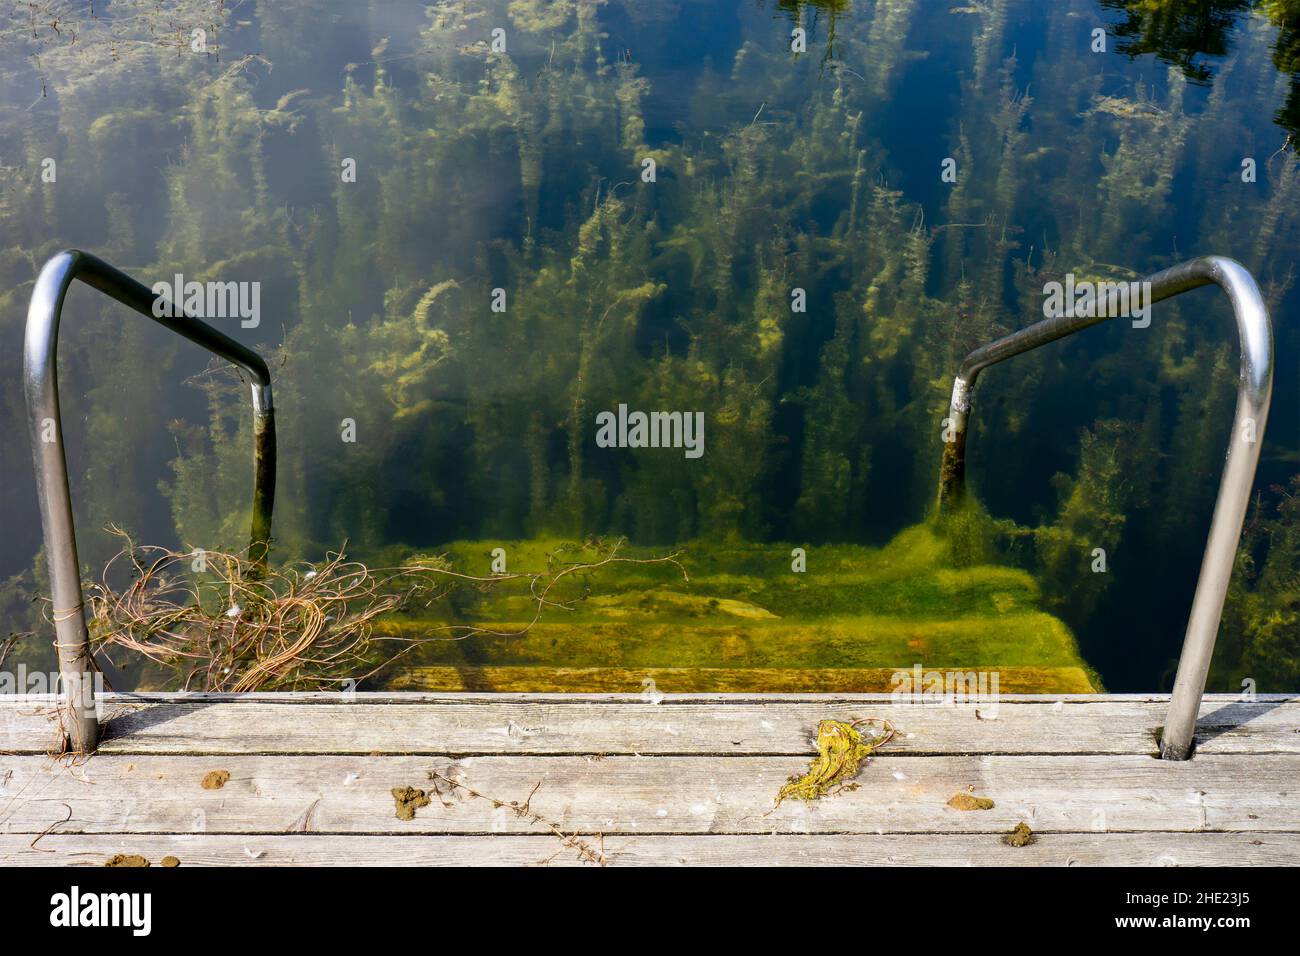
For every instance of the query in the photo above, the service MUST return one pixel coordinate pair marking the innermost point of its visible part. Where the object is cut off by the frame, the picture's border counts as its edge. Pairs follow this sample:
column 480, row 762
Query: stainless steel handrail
column 1254, row 393
column 40, row 372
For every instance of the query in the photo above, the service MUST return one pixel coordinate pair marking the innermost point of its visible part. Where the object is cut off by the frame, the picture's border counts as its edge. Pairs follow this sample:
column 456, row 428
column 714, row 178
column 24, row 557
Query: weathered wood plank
column 897, row 794
column 947, row 849
column 780, row 726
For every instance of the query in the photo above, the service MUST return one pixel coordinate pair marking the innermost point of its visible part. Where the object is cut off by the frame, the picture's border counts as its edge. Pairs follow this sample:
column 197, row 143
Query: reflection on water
column 1195, row 36
column 475, row 228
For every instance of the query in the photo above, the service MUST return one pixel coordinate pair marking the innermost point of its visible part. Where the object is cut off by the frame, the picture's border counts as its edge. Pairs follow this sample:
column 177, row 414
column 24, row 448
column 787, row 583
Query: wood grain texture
column 740, row 726
column 688, row 780
column 931, row 849
column 896, row 794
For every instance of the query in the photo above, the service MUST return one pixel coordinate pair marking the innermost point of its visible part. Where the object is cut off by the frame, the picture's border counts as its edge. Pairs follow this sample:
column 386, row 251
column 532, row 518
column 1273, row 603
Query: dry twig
column 586, row 852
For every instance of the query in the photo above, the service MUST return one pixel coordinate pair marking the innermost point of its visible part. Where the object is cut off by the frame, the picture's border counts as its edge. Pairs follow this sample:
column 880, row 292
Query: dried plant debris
column 841, row 749
column 280, row 628
column 243, row 626
column 216, row 779
column 408, row 800
column 587, row 852
column 968, row 801
column 1020, row 835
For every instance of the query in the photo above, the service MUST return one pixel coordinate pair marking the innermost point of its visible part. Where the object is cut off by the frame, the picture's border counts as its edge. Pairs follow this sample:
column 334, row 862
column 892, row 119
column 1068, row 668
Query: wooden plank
column 948, row 849
column 618, row 727
column 897, row 794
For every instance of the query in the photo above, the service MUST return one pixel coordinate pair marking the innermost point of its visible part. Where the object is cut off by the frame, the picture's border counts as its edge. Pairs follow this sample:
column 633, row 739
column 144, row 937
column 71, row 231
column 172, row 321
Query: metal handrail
column 1254, row 393
column 81, row 728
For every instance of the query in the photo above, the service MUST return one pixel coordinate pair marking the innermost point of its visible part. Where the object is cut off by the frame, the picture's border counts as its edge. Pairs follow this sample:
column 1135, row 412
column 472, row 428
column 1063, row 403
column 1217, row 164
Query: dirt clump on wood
column 216, row 779
column 408, row 800
column 1020, row 835
column 968, row 801
column 127, row 859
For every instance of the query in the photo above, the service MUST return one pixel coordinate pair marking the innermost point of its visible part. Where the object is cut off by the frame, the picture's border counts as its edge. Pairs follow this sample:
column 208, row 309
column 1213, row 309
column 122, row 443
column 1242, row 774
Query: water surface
column 819, row 171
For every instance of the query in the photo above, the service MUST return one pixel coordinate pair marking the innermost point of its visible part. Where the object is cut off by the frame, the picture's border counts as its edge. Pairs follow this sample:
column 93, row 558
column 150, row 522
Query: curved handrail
column 41, row 380
column 1254, row 394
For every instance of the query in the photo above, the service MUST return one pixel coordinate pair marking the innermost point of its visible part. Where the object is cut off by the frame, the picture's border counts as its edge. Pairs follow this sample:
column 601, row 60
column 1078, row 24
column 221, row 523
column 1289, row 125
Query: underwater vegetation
column 739, row 620
column 446, row 325
column 1264, row 609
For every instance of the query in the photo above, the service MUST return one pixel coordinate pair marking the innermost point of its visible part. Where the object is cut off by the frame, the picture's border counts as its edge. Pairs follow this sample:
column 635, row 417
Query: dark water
column 524, row 171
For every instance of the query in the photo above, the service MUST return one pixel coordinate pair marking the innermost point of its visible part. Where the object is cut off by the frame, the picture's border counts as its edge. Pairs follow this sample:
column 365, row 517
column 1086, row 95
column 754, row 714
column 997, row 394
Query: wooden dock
column 280, row 779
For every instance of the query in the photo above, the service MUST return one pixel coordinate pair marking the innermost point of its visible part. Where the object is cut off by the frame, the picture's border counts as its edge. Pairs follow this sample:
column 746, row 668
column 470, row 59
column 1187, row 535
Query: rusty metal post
column 1254, row 393
column 40, row 371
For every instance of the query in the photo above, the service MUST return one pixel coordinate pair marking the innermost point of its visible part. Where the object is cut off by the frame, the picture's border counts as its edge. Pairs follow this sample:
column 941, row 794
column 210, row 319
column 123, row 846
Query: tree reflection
column 1185, row 32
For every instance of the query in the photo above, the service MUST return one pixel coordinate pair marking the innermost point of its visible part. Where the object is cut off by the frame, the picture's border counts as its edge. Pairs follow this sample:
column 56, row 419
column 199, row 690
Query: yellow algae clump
column 841, row 748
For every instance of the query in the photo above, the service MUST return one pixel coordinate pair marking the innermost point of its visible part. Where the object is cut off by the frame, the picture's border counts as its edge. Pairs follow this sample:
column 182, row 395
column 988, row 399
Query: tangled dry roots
column 235, row 625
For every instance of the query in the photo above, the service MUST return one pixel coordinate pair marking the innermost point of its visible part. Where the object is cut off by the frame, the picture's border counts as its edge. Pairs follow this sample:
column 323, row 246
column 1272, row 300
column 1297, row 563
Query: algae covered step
column 542, row 679
column 739, row 617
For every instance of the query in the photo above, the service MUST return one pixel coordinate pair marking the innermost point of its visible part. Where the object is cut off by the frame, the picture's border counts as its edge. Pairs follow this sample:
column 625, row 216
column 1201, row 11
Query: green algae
column 741, row 606
column 841, row 750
